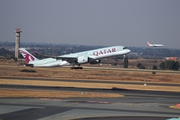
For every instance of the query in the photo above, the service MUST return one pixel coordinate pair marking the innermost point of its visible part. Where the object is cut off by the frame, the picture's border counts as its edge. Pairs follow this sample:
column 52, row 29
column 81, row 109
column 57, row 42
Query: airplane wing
column 40, row 55
column 36, row 53
column 68, row 59
column 63, row 58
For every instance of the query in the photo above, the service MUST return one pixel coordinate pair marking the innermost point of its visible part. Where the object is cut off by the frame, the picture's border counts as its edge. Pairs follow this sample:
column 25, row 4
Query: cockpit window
column 125, row 48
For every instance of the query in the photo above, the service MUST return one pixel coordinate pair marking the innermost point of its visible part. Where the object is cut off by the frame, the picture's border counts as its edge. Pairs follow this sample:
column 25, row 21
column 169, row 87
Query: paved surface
column 92, row 81
column 136, row 105
column 132, row 106
column 76, row 108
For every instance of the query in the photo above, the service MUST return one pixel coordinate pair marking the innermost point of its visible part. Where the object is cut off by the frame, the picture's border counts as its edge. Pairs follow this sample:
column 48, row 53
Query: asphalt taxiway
column 83, row 108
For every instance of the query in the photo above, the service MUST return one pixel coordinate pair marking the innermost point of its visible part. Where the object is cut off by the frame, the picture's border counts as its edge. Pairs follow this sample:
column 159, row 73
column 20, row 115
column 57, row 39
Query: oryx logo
column 27, row 56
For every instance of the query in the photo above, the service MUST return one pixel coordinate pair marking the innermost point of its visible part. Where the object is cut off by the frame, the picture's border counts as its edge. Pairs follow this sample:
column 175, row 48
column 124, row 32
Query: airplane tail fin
column 148, row 43
column 27, row 56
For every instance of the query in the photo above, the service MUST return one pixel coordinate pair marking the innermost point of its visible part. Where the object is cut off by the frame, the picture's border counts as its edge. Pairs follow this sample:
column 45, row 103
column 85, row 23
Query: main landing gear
column 76, row 67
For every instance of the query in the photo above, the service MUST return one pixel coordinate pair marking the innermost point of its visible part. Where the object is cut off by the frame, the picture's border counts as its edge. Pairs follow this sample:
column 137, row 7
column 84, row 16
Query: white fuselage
column 48, row 62
column 156, row 45
column 99, row 53
column 90, row 56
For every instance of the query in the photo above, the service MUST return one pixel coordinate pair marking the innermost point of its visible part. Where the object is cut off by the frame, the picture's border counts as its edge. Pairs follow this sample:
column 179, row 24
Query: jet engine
column 82, row 60
column 92, row 61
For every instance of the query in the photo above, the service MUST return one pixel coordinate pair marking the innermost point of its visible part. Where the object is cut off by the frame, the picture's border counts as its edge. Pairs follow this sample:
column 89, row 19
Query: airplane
column 32, row 61
column 154, row 45
column 93, row 56
column 90, row 56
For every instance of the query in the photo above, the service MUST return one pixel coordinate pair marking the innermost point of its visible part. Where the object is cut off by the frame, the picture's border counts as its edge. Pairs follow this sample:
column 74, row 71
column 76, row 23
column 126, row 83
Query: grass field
column 91, row 74
column 13, row 70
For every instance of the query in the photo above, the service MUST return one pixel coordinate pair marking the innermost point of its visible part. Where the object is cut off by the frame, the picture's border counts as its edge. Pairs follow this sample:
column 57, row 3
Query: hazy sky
column 92, row 22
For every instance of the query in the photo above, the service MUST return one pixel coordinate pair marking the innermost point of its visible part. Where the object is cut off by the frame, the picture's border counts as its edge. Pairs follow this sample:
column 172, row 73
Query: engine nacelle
column 82, row 60
column 92, row 61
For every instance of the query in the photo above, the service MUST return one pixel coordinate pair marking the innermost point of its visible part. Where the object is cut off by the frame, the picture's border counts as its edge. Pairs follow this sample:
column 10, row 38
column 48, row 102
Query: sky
column 92, row 22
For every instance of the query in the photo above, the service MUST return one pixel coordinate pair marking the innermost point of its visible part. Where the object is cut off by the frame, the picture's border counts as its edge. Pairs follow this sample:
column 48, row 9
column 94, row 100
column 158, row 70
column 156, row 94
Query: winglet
column 36, row 53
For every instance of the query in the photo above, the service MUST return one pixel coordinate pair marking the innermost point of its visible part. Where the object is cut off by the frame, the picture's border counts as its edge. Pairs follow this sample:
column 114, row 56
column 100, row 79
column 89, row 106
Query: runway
column 95, row 108
column 136, row 105
column 92, row 81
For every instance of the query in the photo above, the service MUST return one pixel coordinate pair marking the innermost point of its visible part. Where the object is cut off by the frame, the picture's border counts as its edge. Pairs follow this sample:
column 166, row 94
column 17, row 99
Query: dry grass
column 112, row 75
column 51, row 94
column 90, row 85
column 174, row 107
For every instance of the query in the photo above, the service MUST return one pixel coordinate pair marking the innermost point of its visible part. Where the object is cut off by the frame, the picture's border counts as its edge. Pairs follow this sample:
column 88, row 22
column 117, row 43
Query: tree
column 126, row 62
column 138, row 65
column 169, row 65
column 15, row 59
column 142, row 67
column 162, row 65
column 176, row 66
column 154, row 67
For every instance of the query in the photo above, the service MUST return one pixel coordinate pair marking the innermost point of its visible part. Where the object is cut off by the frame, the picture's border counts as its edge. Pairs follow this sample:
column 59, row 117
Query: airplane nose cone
column 128, row 51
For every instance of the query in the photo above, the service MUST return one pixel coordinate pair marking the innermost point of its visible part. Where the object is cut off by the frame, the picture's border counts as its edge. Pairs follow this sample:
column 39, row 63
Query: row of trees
column 169, row 65
column 166, row 65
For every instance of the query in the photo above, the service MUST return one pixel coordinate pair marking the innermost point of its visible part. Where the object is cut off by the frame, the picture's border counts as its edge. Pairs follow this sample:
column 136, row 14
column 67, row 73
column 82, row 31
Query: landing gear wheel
column 76, row 67
column 80, row 67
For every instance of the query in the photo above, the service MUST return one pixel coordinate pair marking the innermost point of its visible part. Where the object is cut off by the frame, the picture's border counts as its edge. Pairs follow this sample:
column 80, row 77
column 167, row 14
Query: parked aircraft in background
column 154, row 45
column 90, row 56
column 32, row 61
